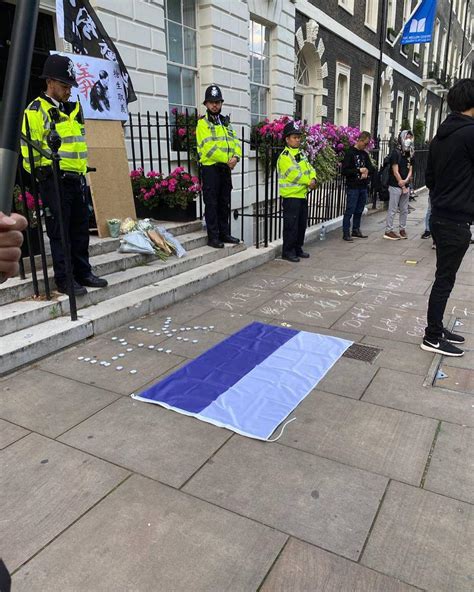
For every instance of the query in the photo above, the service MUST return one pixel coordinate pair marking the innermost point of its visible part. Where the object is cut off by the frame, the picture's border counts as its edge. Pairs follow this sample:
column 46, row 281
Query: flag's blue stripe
column 195, row 386
column 265, row 396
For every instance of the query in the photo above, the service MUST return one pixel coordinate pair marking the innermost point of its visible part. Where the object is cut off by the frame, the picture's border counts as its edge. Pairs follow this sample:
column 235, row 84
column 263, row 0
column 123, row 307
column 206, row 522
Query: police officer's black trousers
column 295, row 220
column 216, row 190
column 76, row 224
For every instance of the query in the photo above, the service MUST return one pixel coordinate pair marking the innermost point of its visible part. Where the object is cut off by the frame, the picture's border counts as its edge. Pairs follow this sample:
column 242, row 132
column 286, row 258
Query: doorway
column 44, row 42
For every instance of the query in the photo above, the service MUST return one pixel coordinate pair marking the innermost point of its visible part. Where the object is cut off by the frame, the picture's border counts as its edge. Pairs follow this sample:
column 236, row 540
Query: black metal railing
column 34, row 233
column 155, row 144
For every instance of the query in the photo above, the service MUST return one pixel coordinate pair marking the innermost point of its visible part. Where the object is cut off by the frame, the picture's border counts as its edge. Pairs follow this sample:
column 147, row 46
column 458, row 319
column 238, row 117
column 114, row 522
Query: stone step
column 27, row 313
column 32, row 343
column 100, row 246
column 102, row 264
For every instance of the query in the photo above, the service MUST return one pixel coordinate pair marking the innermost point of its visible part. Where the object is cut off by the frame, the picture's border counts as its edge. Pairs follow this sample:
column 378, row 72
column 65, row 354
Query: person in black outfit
column 356, row 167
column 450, row 178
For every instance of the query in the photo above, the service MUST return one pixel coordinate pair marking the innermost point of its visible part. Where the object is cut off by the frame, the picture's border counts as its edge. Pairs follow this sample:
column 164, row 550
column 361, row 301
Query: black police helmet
column 213, row 93
column 292, row 127
column 61, row 68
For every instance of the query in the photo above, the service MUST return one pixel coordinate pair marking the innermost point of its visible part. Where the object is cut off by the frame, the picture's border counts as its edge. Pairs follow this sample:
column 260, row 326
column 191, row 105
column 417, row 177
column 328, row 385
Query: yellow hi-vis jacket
column 70, row 127
column 294, row 173
column 216, row 143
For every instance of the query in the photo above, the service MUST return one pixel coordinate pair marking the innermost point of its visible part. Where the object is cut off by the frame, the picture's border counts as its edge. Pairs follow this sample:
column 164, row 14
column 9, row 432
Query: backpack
column 382, row 178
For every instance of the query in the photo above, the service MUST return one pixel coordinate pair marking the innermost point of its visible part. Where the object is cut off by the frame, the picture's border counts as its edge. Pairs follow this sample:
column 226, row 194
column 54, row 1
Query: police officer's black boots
column 230, row 239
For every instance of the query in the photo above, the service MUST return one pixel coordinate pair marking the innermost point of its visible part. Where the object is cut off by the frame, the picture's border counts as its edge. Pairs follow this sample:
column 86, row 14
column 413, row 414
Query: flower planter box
column 165, row 212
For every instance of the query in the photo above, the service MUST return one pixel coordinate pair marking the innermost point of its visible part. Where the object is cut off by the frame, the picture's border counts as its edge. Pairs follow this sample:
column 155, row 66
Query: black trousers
column 216, row 190
column 76, row 224
column 295, row 220
column 452, row 241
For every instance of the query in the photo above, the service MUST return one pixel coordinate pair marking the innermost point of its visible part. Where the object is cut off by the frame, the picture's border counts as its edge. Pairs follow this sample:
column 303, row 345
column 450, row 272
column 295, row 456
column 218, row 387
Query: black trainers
column 426, row 234
column 302, row 254
column 453, row 337
column 441, row 346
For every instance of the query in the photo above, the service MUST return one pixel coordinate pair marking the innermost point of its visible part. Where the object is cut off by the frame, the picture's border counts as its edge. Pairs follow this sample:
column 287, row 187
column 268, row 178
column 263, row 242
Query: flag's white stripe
column 265, row 396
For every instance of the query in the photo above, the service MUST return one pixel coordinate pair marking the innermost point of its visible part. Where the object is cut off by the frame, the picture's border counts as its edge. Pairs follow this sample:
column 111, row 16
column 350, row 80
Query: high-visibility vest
column 216, row 142
column 294, row 173
column 70, row 127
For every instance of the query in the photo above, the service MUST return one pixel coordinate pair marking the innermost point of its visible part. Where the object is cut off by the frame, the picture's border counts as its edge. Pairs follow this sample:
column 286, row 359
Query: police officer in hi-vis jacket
column 219, row 151
column 296, row 177
column 53, row 109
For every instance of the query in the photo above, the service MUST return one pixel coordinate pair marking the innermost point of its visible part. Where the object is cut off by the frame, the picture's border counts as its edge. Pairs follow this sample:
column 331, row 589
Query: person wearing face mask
column 219, row 152
column 450, row 179
column 356, row 167
column 296, row 177
column 52, row 109
column 401, row 172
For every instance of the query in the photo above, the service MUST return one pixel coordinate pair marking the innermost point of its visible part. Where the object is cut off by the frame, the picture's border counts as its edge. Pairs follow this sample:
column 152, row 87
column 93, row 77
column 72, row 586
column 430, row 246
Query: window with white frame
column 434, row 55
column 259, row 56
column 406, row 10
column 435, row 122
column 429, row 115
column 371, row 14
column 411, row 111
column 416, row 54
column 343, row 74
column 347, row 5
column 366, row 103
column 399, row 113
column 440, row 59
column 181, row 51
column 391, row 18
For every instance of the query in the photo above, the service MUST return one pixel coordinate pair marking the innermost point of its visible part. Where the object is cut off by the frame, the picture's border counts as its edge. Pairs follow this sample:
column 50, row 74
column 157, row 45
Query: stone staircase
column 33, row 328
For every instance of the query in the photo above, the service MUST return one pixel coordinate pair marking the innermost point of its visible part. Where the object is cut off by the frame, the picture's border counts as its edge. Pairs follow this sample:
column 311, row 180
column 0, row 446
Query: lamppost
column 383, row 27
column 14, row 95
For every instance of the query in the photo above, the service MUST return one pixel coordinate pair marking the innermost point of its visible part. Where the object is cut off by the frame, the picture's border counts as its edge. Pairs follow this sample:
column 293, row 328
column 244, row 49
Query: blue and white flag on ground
column 251, row 381
column 419, row 27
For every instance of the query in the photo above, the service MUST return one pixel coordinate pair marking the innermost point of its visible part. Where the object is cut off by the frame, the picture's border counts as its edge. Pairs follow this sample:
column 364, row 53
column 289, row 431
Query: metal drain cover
column 364, row 353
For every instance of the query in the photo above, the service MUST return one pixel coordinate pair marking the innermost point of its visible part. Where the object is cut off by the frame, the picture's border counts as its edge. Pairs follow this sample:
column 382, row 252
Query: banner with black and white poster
column 80, row 26
column 100, row 88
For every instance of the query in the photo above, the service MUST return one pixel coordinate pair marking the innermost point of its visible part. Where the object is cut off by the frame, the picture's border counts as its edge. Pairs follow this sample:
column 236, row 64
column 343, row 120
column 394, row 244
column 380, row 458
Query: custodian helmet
column 292, row 127
column 213, row 93
column 61, row 68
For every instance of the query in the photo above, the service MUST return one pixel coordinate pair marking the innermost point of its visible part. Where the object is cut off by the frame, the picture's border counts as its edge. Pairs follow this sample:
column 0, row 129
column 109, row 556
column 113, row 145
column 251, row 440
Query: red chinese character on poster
column 84, row 79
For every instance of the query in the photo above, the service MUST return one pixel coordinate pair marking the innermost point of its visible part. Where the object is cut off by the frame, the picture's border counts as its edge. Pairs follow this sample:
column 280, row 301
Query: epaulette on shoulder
column 285, row 153
column 35, row 105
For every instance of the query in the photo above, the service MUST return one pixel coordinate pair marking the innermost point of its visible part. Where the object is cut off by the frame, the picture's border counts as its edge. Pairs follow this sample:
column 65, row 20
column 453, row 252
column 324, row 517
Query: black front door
column 44, row 42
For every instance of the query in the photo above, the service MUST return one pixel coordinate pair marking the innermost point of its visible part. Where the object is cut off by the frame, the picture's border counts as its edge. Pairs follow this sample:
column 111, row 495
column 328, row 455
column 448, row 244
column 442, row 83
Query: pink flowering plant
column 177, row 190
column 268, row 135
column 324, row 144
column 25, row 205
column 184, row 132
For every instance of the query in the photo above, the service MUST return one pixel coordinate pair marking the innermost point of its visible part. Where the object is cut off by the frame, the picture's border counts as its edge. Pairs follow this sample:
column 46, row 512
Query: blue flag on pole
column 419, row 27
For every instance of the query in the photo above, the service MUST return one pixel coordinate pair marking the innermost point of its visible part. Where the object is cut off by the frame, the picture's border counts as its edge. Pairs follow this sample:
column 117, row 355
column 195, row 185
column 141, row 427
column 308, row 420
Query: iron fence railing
column 35, row 216
column 156, row 143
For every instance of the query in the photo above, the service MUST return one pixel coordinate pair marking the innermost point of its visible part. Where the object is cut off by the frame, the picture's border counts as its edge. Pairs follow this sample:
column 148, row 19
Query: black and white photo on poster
column 80, row 26
column 100, row 88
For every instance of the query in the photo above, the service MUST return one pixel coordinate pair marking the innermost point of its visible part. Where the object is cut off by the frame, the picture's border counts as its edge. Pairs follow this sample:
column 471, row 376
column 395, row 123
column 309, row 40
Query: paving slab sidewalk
column 368, row 490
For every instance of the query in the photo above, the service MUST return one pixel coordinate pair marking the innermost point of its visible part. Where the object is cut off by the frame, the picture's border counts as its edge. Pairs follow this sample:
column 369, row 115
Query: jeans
column 397, row 200
column 356, row 200
column 216, row 190
column 452, row 241
column 428, row 216
column 295, row 220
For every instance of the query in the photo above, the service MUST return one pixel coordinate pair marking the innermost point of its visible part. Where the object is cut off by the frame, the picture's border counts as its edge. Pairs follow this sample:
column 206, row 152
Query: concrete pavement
column 370, row 489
